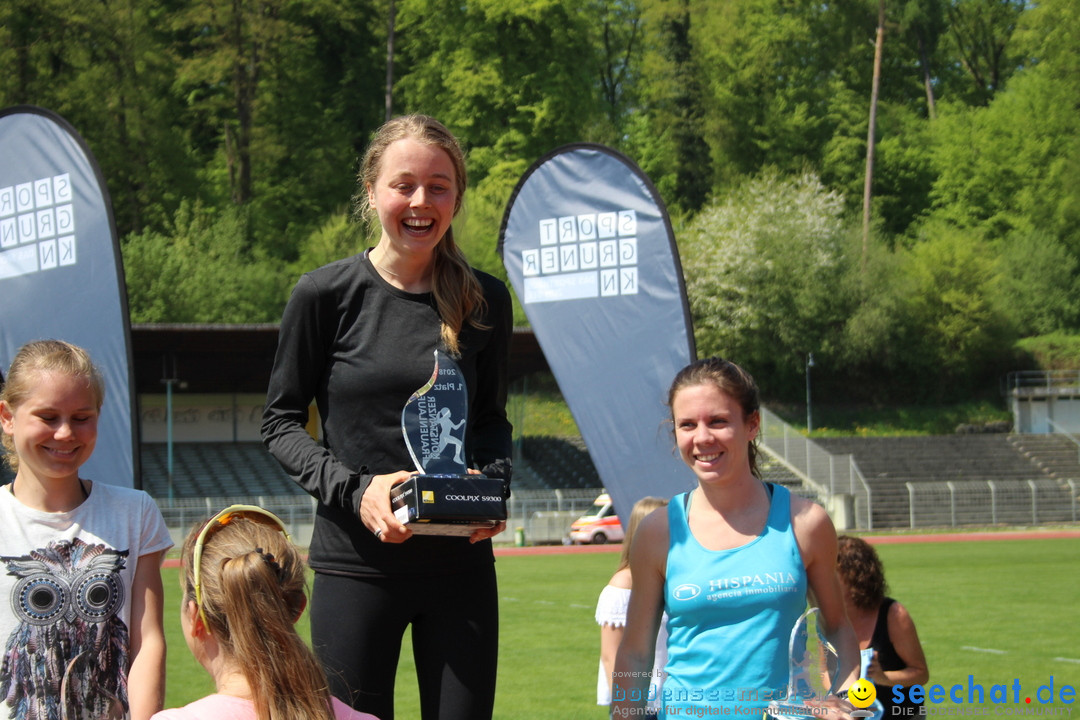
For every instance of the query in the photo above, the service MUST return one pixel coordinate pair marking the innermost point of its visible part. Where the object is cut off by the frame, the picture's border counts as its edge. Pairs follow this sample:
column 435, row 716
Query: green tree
column 1040, row 290
column 202, row 270
column 512, row 78
column 905, row 172
column 774, row 72
column 923, row 21
column 980, row 38
column 929, row 324
column 679, row 101
column 282, row 106
column 107, row 69
column 619, row 40
column 341, row 236
column 230, row 47
column 321, row 104
column 767, row 271
column 953, row 280
column 1013, row 165
column 882, row 340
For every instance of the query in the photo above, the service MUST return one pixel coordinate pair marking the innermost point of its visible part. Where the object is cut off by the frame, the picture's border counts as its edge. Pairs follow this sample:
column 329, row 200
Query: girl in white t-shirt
column 80, row 561
column 611, row 615
column 243, row 586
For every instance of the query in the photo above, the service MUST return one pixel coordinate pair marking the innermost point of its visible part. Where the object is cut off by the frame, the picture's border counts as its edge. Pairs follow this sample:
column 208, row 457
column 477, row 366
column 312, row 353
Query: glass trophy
column 813, row 670
column 444, row 498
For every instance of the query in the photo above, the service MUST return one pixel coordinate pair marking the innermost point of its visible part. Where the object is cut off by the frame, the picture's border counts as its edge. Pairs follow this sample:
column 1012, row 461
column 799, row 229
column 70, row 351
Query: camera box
column 448, row 504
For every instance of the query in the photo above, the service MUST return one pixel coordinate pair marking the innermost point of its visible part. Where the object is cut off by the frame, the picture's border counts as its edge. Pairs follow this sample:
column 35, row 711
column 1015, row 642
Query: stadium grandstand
column 205, row 428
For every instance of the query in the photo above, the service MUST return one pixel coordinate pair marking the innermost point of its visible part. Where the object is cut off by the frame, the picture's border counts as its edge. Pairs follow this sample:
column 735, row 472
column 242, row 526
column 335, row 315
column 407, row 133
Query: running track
column 872, row 539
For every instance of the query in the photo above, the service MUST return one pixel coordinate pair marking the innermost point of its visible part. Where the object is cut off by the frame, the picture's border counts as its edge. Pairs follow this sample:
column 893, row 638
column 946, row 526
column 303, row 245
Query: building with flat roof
column 1044, row 401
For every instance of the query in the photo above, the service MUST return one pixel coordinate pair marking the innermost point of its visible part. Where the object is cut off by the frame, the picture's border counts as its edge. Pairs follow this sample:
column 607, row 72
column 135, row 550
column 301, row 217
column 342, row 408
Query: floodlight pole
column 169, row 382
column 809, row 421
column 168, row 367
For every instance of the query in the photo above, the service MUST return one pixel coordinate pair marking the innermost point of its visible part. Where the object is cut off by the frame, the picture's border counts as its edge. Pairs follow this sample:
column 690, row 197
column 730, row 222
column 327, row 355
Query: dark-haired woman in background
column 883, row 626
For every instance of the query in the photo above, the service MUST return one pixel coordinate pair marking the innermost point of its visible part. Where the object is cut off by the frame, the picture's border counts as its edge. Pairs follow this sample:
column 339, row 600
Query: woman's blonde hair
column 642, row 507
column 458, row 295
column 252, row 587
column 44, row 356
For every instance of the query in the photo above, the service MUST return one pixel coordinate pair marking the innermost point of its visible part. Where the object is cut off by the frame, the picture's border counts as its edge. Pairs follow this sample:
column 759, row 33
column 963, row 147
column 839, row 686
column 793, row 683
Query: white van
column 598, row 526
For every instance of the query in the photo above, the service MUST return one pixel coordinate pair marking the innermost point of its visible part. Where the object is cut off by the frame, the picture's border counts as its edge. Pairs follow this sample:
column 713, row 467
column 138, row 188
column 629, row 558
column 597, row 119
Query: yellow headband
column 226, row 516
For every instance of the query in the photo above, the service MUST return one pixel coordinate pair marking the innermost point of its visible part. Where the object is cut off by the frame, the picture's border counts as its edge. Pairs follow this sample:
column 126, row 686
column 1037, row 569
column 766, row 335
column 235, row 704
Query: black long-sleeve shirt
column 360, row 347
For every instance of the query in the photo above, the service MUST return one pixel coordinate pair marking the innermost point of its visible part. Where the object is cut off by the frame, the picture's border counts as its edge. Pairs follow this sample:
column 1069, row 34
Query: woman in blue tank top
column 732, row 562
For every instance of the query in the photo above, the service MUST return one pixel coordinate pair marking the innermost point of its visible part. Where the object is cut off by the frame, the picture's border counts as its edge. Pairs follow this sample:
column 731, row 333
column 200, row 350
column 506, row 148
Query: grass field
column 996, row 610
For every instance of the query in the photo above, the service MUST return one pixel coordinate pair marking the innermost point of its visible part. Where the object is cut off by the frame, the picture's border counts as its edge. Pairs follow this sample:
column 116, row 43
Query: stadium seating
column 214, row 470
column 550, row 463
column 954, row 479
column 969, row 462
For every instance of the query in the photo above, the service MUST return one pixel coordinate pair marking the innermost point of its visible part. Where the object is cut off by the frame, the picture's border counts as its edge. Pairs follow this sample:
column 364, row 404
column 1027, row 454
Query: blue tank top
column 730, row 615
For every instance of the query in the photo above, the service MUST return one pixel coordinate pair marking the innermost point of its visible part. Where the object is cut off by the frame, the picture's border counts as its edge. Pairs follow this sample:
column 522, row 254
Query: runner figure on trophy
column 446, row 436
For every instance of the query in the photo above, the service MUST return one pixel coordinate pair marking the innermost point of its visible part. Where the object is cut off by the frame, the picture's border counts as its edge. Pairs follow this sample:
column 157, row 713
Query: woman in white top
column 611, row 615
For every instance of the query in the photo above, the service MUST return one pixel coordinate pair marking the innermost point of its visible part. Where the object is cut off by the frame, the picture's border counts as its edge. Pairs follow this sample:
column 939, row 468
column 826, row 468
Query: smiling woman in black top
column 357, row 338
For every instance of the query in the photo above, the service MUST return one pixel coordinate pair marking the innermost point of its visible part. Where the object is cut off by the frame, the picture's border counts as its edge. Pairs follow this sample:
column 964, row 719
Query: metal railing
column 297, row 511
column 543, row 515
column 990, row 502
column 830, row 475
column 1042, row 382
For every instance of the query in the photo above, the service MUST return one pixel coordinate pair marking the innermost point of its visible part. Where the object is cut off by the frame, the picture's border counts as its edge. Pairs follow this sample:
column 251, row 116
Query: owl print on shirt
column 68, row 656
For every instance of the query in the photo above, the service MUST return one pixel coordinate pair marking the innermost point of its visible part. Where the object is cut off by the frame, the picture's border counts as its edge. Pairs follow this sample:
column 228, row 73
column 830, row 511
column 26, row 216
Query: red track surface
column 872, row 539
column 972, row 536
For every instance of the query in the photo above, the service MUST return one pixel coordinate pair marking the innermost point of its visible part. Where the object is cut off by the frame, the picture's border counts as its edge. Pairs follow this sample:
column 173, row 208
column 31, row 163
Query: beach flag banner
column 61, row 275
column 589, row 250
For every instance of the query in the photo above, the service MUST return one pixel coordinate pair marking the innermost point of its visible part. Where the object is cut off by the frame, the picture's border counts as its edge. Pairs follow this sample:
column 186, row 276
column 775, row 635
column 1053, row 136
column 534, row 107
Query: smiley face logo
column 862, row 693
